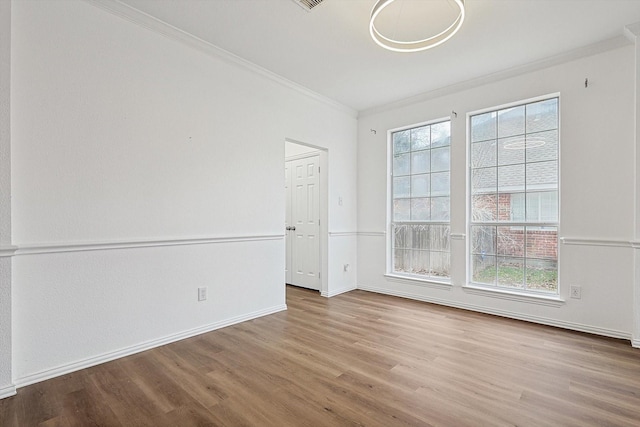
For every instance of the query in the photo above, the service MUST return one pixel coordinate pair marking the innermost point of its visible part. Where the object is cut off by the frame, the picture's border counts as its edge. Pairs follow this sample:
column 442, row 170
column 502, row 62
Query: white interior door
column 304, row 223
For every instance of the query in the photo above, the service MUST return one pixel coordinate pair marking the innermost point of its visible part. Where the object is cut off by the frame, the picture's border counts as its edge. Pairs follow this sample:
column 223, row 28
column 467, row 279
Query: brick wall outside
column 510, row 240
column 540, row 244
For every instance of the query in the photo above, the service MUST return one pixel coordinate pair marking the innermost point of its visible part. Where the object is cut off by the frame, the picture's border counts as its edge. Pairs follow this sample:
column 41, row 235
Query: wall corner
column 6, row 387
column 632, row 32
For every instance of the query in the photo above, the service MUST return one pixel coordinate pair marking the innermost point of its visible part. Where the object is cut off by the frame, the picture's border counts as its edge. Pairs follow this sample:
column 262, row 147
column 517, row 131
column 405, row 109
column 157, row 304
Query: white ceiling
column 329, row 50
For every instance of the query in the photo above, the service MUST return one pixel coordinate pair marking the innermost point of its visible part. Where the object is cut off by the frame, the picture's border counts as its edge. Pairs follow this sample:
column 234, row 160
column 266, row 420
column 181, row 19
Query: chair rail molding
column 588, row 241
column 37, row 249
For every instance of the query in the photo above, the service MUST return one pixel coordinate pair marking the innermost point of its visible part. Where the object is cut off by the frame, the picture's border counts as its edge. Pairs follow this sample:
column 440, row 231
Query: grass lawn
column 512, row 275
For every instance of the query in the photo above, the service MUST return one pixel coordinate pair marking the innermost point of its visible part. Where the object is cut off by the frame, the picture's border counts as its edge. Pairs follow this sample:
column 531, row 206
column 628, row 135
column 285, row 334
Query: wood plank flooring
column 358, row 359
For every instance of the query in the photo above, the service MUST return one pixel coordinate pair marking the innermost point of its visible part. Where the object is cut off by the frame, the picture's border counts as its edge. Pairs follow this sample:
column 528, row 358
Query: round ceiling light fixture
column 413, row 45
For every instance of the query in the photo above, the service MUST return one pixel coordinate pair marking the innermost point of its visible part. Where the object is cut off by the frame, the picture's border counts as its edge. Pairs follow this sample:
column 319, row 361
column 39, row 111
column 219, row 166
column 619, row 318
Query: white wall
column 6, row 386
column 122, row 137
column 633, row 33
column 597, row 191
column 293, row 149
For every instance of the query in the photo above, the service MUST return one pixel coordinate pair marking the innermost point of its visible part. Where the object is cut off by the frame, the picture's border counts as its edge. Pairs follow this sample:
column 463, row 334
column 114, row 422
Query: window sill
column 548, row 300
column 431, row 283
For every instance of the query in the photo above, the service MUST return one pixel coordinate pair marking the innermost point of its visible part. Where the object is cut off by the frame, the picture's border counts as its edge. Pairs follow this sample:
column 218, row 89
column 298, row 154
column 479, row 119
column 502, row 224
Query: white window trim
column 415, row 279
column 553, row 300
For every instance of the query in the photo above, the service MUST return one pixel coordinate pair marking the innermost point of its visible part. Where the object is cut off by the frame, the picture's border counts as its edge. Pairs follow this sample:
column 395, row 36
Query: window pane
column 440, row 159
column 420, row 185
column 420, row 162
column 420, row 138
column 401, row 164
column 533, row 207
column 401, row 237
column 483, row 154
column 542, row 146
column 420, row 262
column 511, row 272
column 542, row 174
column 542, row 275
column 483, row 127
column 511, row 150
column 402, row 260
column 549, row 206
column 484, row 207
column 511, row 241
column 542, row 115
column 420, row 209
column 440, row 209
column 510, row 178
column 401, row 187
column 483, row 269
column 439, row 237
column 517, row 207
column 504, row 207
column 420, row 236
column 483, row 240
column 511, row 122
column 401, row 210
column 401, row 142
column 484, row 180
column 440, row 184
column 440, row 264
column 441, row 134
column 542, row 242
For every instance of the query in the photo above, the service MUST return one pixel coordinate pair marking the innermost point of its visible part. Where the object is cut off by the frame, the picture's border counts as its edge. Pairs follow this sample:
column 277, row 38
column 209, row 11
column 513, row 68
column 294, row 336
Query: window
column 514, row 197
column 420, row 201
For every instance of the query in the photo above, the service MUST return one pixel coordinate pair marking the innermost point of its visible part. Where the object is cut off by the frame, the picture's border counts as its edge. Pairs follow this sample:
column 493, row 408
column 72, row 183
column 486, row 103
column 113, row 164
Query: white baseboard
column 335, row 292
column 635, row 343
column 505, row 313
column 7, row 391
column 107, row 357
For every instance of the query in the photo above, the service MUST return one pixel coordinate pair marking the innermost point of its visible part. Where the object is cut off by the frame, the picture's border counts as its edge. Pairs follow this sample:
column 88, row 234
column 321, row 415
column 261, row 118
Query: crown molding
column 632, row 31
column 158, row 26
column 572, row 55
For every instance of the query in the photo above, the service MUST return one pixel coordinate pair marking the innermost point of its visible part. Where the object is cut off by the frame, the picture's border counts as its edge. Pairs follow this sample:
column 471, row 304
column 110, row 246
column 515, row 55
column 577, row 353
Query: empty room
column 319, row 213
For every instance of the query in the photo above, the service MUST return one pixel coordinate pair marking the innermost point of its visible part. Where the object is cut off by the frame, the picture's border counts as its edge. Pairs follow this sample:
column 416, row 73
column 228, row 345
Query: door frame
column 323, row 206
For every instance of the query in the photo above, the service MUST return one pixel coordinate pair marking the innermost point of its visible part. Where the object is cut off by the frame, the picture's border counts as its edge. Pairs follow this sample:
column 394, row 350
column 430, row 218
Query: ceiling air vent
column 308, row 4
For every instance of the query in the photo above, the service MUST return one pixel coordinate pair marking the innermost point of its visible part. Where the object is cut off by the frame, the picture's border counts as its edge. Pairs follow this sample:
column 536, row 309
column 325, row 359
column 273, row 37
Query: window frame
column 390, row 237
column 532, row 226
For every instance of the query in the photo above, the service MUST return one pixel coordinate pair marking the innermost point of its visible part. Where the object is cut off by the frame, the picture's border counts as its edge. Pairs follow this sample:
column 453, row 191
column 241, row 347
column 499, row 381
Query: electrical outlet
column 202, row 293
column 576, row 292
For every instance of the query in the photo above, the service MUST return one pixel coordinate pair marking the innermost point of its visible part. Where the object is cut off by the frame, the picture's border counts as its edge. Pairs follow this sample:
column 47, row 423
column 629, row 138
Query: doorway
column 302, row 218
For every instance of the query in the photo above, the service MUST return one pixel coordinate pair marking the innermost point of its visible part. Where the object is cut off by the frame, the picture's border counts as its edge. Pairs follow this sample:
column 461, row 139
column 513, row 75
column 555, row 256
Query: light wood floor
column 355, row 359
